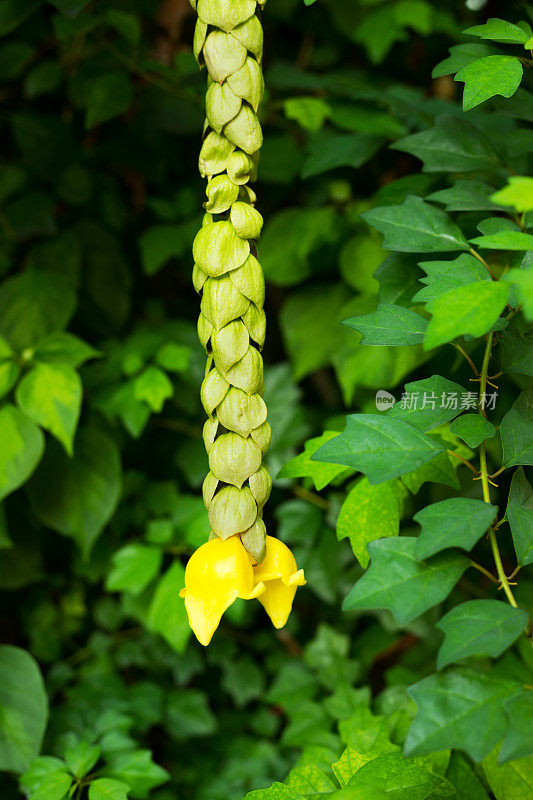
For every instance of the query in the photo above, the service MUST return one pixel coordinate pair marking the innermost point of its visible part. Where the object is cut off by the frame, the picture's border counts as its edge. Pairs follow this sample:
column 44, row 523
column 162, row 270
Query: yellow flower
column 280, row 575
column 216, row 574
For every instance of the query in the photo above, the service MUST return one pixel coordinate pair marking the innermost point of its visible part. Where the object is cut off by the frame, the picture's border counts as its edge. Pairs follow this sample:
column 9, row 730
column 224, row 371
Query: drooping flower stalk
column 228, row 40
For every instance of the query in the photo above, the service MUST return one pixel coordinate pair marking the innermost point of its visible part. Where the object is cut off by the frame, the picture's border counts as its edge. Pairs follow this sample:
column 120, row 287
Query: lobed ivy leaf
column 428, row 403
column 472, row 429
column 510, row 781
column 505, row 240
column 443, row 276
column 330, row 151
column 459, row 708
column 133, row 567
column 389, row 325
column 461, row 55
column 368, row 513
column 467, row 195
column 499, row 30
column 518, row 740
column 398, row 581
column 416, row 227
column 488, row 77
column 519, row 515
column 400, row 778
column 380, row 447
column 452, row 145
column 304, row 465
column 516, row 431
column 108, row 789
column 518, row 193
column 472, row 309
column 522, row 279
column 479, row 628
column 456, row 522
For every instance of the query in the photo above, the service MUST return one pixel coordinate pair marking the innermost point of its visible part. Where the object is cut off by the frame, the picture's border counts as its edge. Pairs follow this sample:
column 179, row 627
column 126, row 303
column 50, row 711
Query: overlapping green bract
column 229, row 41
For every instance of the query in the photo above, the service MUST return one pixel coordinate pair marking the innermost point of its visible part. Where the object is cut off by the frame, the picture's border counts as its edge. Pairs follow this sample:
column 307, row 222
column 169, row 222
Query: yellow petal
column 279, row 562
column 277, row 601
column 216, row 574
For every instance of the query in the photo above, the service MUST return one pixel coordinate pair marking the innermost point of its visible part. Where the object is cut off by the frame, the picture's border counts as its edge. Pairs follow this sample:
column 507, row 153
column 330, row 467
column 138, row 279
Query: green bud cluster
column 228, row 40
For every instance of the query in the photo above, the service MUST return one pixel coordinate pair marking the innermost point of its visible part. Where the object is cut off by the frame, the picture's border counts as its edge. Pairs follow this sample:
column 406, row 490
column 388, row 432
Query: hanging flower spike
column 280, row 576
column 216, row 575
column 228, row 40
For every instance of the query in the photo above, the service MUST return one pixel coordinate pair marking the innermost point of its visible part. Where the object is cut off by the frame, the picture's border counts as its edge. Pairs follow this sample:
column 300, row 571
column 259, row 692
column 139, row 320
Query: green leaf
column 452, row 145
column 510, row 781
column 380, row 447
column 479, row 628
column 522, row 279
column 429, row 403
column 399, row 778
column 47, row 779
column 519, row 515
column 331, row 151
column 389, row 325
column 516, row 431
column 459, row 708
column 23, row 709
column 305, row 466
column 518, row 742
column 518, row 193
column 275, row 792
column 517, row 351
column 78, row 496
column 64, row 348
column 505, row 240
column 368, row 513
column 50, row 395
column 472, row 309
column 81, row 758
column 466, row 195
column 133, row 567
column 488, row 77
column 416, row 227
column 499, row 30
column 167, row 614
column 33, row 305
column 137, row 769
column 109, row 96
column 462, row 776
column 461, row 55
column 14, row 12
column 9, row 374
column 153, row 387
column 160, row 243
column 473, row 429
column 21, row 451
column 108, row 789
column 309, row 112
column 443, row 276
column 188, row 715
column 310, row 780
column 243, row 681
column 399, row 582
column 456, row 522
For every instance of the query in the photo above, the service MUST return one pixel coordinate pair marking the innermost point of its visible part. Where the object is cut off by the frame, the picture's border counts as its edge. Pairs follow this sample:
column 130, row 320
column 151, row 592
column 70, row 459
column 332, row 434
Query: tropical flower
column 217, row 574
column 280, row 576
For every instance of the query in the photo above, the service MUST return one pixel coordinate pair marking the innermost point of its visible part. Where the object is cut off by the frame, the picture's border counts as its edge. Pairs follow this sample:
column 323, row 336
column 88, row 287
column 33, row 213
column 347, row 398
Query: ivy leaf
column 21, row 450
column 309, row 112
column 368, row 513
column 479, row 628
column 499, row 30
column 153, row 387
column 47, row 779
column 443, row 276
column 488, row 77
column 188, row 715
column 519, row 515
column 64, row 348
column 330, row 151
column 304, row 465
column 518, row 193
column 461, row 55
column 473, row 429
column 133, row 567
column 466, row 195
column 109, row 96
column 24, row 705
column 523, row 281
column 505, row 240
column 77, row 496
column 518, row 741
column 82, row 757
column 399, row 778
column 137, row 769
column 275, row 792
column 108, row 789
column 456, row 522
column 50, row 395
column 428, row 403
column 459, row 708
column 465, row 780
column 517, row 351
column 517, row 431
column 510, row 781
column 472, row 309
column 416, row 227
column 310, row 780
column 380, row 447
column 452, row 145
column 398, row 581
column 167, row 614
column 389, row 325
